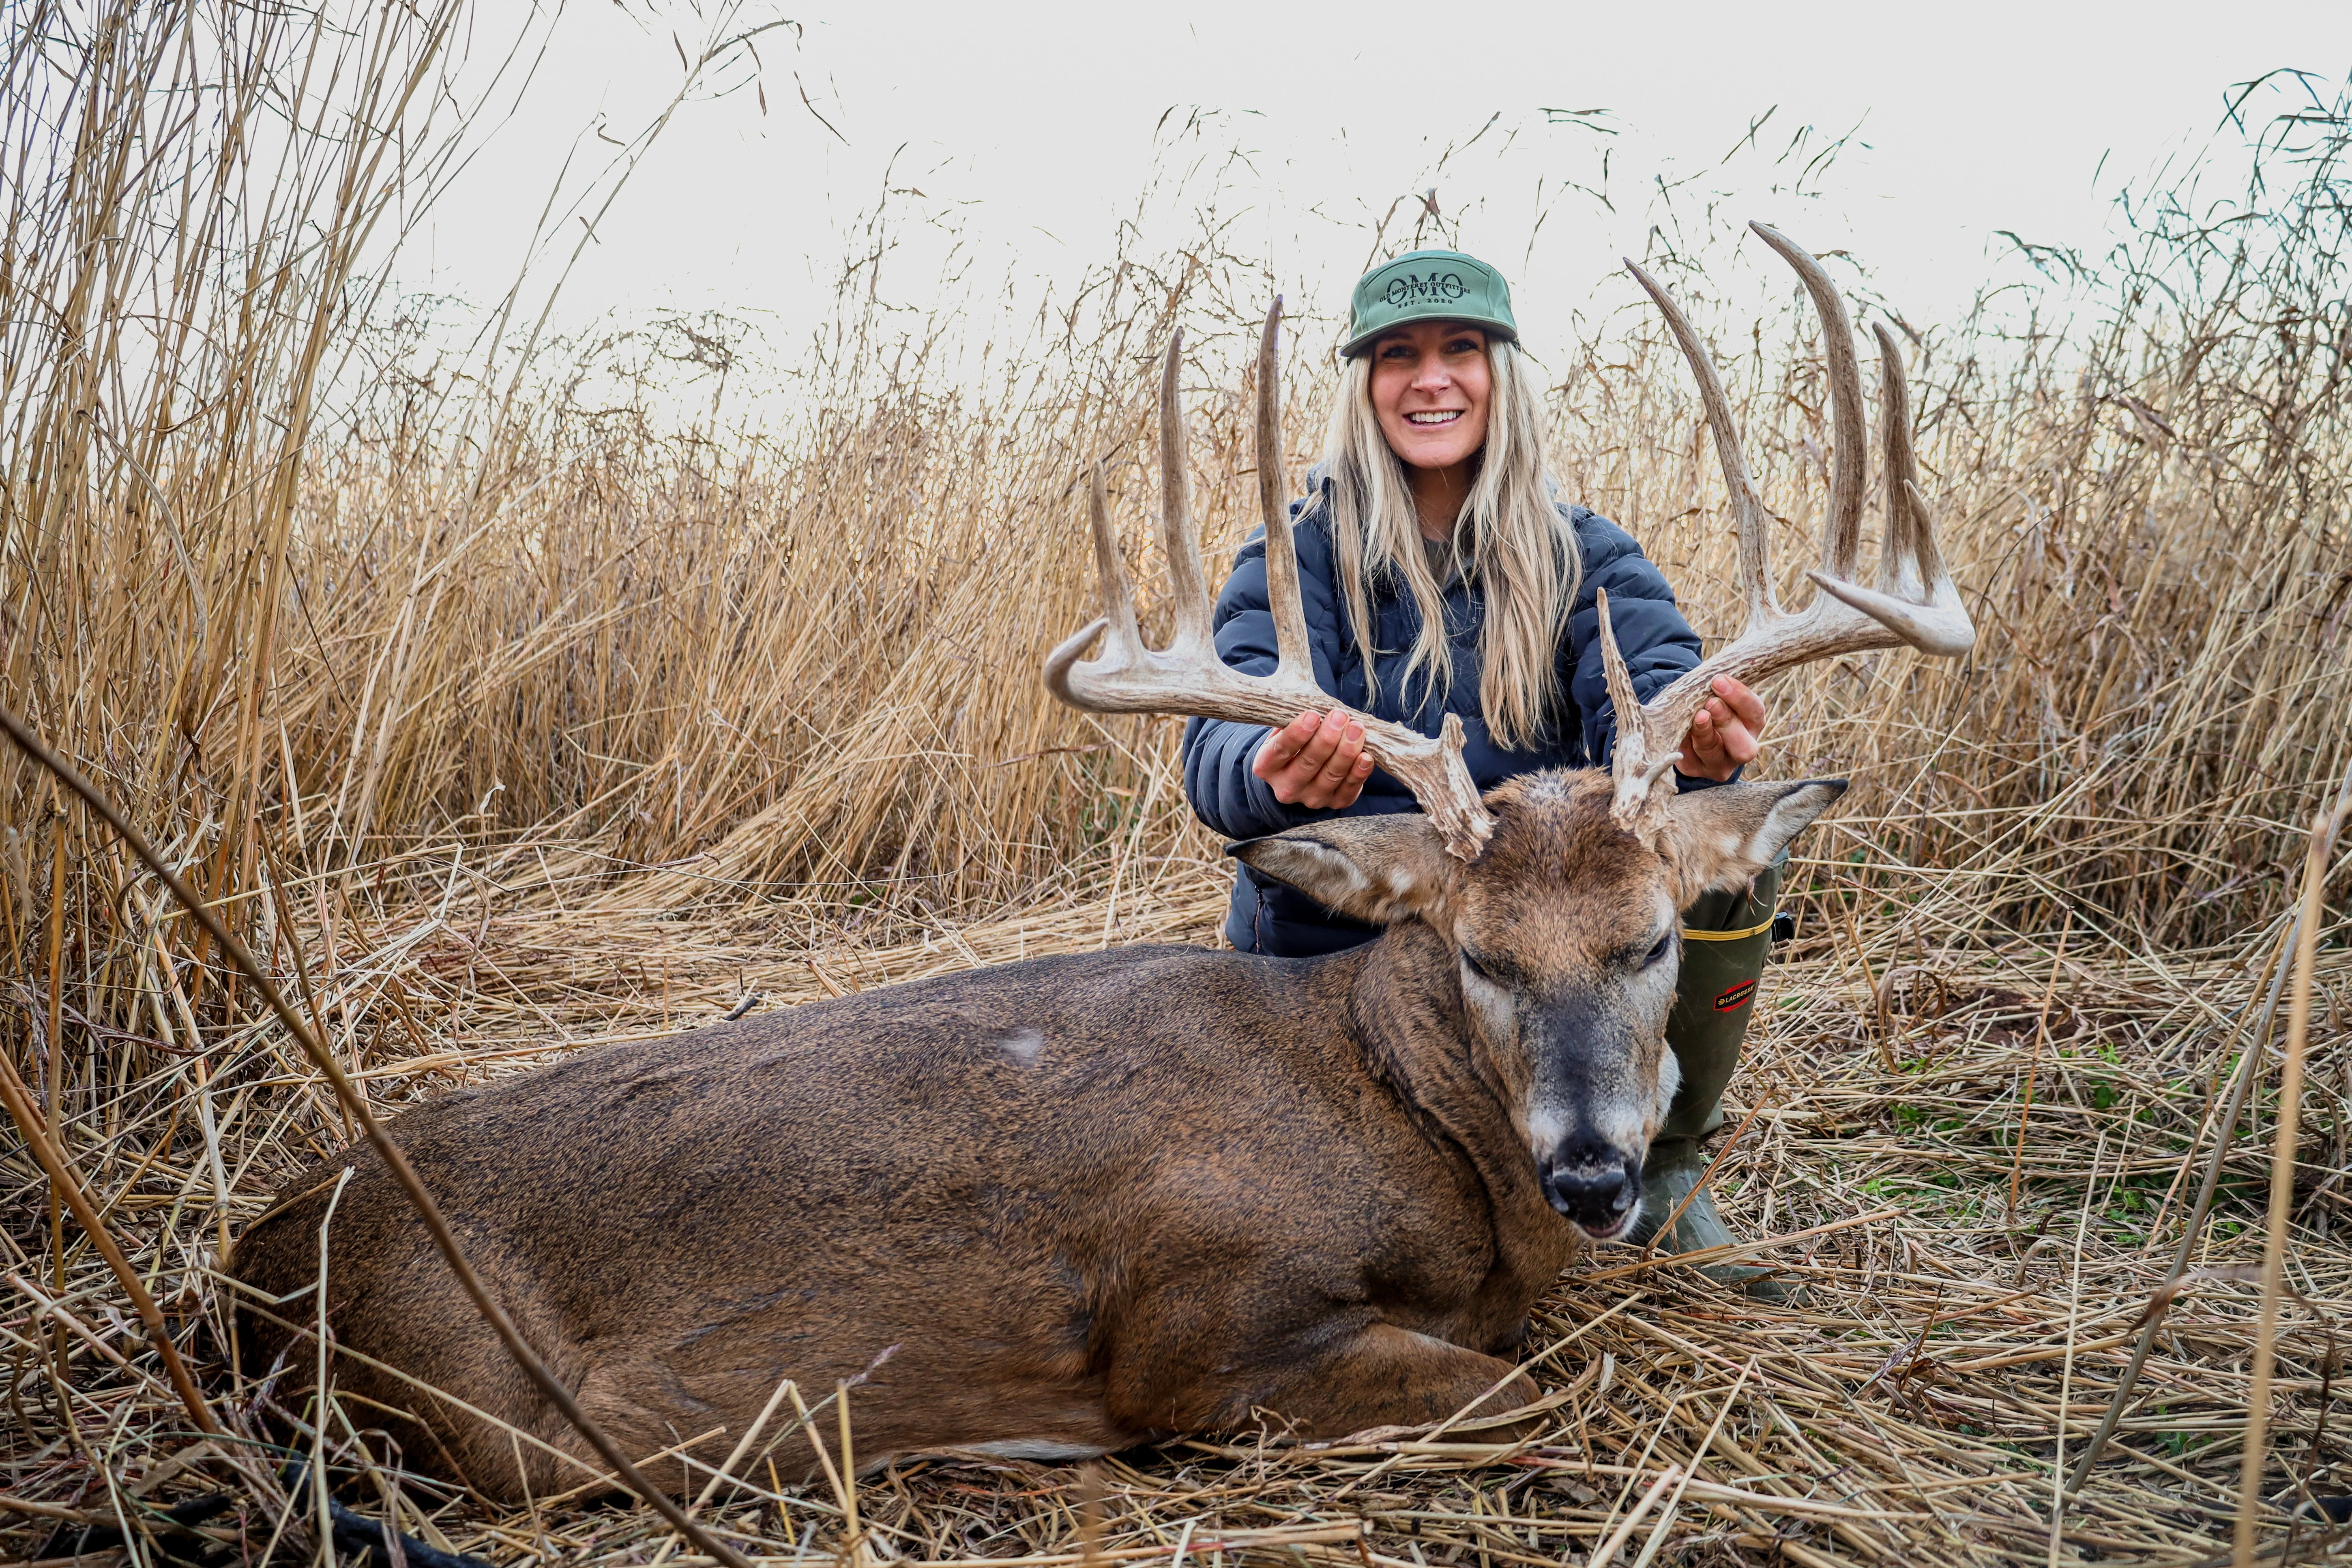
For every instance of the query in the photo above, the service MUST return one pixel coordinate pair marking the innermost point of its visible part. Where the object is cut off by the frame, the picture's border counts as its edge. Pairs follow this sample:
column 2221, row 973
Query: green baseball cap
column 1428, row 286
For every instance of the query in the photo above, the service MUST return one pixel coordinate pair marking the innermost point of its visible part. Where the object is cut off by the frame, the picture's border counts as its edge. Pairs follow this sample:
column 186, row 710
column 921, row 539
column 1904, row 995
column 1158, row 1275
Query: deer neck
column 1406, row 1013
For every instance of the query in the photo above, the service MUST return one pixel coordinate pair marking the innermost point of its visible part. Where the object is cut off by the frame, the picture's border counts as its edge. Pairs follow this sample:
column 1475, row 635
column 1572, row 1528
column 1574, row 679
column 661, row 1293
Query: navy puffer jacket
column 1271, row 917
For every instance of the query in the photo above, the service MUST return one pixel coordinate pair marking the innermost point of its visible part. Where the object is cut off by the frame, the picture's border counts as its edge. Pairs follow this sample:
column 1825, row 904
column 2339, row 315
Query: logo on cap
column 1437, row 285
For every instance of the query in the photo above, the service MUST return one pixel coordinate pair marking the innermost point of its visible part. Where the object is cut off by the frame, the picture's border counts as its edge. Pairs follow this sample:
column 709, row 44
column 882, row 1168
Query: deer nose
column 1597, row 1188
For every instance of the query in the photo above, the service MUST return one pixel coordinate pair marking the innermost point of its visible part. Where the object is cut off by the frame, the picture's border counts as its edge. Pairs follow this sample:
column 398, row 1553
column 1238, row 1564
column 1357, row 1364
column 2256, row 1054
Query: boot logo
column 1736, row 997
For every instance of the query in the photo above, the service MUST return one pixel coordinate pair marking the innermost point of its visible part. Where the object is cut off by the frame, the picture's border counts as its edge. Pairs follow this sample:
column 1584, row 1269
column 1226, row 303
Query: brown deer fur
column 1089, row 1199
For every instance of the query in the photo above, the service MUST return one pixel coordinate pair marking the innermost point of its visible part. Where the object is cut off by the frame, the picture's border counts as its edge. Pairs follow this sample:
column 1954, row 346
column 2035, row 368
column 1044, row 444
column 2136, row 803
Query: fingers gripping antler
column 1913, row 603
column 1188, row 678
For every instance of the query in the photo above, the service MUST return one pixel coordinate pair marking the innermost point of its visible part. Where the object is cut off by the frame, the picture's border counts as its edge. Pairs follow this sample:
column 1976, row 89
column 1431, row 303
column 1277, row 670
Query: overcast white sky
column 1030, row 130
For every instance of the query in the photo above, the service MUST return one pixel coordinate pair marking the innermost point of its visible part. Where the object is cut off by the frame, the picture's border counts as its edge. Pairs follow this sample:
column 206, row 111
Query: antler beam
column 1188, row 678
column 1914, row 601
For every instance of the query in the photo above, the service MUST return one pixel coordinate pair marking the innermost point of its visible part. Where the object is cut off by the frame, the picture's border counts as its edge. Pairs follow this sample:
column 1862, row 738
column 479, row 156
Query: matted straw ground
column 509, row 716
column 1909, row 1410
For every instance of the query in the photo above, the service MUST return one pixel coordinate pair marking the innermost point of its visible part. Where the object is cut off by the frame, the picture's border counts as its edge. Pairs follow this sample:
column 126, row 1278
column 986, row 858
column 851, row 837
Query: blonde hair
column 1509, row 538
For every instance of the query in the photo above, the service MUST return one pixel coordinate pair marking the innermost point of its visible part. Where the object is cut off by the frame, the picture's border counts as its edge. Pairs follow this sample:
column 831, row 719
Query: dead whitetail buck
column 1097, row 1198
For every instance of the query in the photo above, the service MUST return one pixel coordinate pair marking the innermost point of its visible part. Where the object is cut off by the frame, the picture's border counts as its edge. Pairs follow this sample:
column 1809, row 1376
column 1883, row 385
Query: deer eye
column 1659, row 951
column 1470, row 962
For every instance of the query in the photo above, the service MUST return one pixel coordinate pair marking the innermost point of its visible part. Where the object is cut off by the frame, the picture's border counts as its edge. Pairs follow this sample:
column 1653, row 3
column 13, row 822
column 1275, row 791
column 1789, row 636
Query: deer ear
column 1719, row 837
column 1377, row 869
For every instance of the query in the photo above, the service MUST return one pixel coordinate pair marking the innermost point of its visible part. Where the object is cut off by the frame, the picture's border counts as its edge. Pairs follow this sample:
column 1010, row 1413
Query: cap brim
column 1365, row 339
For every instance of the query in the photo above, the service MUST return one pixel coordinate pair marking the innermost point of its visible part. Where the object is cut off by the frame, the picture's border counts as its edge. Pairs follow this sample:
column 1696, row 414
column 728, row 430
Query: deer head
column 1538, row 924
column 1552, row 956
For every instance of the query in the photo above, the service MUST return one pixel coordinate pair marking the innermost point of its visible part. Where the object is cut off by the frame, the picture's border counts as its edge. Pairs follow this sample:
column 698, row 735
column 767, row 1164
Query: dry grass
column 510, row 721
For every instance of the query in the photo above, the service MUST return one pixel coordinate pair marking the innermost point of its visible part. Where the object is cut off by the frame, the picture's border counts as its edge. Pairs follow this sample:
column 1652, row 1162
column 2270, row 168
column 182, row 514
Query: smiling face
column 1431, row 387
column 1564, row 941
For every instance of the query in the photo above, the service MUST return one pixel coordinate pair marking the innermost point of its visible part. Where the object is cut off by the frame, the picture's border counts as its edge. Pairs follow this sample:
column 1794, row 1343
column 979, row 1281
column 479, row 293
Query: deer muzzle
column 1594, row 1108
column 1598, row 1188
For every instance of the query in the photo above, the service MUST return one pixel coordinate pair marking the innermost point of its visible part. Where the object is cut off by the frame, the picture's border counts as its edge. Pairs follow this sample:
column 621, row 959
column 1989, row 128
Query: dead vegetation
column 506, row 724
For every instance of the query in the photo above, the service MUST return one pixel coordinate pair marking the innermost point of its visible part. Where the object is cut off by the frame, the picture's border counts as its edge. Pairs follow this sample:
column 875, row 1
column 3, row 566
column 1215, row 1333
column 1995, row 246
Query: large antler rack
column 1913, row 603
column 1188, row 678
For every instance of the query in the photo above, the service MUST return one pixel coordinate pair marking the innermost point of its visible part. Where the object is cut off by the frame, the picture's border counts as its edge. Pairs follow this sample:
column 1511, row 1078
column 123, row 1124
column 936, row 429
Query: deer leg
column 1389, row 1376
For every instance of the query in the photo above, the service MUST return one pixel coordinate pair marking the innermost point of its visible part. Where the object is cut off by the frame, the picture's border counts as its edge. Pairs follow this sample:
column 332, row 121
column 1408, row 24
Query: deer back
column 1061, row 1190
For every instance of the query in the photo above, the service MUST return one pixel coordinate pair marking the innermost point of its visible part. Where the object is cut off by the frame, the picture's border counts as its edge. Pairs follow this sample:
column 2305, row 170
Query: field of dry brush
column 506, row 723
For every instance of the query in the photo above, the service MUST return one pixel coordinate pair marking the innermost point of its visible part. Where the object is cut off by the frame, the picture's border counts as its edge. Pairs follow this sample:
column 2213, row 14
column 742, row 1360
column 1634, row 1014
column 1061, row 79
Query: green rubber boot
column 1726, row 937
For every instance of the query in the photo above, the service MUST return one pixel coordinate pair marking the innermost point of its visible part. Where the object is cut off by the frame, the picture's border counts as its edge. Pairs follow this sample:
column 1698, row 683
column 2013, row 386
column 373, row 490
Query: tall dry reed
column 387, row 648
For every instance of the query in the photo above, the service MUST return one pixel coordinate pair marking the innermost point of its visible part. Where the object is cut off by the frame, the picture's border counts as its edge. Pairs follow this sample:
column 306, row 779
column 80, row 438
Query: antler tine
column 1178, row 538
column 1273, row 490
column 1125, row 649
column 1896, row 553
column 1636, row 764
column 1909, row 563
column 1110, row 567
column 1746, row 507
column 1841, row 534
column 1622, row 699
column 1189, row 677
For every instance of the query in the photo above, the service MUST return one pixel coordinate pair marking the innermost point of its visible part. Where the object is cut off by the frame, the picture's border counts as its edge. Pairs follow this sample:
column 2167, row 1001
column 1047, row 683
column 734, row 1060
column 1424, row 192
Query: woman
column 1440, row 575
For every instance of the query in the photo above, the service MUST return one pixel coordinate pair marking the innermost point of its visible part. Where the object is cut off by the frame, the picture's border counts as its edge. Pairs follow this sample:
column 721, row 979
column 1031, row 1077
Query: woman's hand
column 1725, row 734
column 1318, row 760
